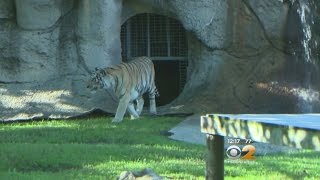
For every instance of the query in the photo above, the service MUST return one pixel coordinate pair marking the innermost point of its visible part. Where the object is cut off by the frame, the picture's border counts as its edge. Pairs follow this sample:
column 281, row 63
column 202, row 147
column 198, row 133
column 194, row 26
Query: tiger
column 128, row 81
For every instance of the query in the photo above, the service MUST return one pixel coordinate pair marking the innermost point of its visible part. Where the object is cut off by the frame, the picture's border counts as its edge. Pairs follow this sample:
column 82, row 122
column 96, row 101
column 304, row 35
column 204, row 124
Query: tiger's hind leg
column 140, row 103
column 134, row 114
column 152, row 109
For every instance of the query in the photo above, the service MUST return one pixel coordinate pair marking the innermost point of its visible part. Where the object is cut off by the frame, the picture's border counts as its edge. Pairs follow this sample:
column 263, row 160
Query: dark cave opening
column 167, row 81
column 163, row 39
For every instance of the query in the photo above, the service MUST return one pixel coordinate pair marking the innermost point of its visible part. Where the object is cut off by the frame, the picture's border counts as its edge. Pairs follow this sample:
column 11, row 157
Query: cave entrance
column 164, row 40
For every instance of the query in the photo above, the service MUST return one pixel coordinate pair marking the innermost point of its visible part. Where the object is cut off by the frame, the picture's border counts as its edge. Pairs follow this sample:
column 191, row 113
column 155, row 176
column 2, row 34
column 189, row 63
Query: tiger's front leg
column 140, row 103
column 134, row 114
column 121, row 110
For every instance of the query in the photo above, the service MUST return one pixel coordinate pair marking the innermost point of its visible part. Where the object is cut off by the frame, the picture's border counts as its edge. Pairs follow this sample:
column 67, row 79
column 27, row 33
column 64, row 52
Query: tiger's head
column 100, row 79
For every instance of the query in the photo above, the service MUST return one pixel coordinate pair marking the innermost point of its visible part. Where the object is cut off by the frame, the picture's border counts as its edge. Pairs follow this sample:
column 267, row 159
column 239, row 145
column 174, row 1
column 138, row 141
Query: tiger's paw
column 115, row 120
column 134, row 117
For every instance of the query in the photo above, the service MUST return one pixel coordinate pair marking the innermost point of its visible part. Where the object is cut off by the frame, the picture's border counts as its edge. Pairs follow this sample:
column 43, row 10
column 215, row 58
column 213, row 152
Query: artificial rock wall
column 238, row 55
column 47, row 50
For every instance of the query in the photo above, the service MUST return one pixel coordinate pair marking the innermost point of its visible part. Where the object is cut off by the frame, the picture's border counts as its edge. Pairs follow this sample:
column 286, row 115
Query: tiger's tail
column 156, row 92
column 153, row 92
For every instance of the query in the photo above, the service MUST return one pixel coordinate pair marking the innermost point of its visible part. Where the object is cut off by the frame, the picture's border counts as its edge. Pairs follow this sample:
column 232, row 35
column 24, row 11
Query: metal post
column 128, row 39
column 168, row 37
column 148, row 35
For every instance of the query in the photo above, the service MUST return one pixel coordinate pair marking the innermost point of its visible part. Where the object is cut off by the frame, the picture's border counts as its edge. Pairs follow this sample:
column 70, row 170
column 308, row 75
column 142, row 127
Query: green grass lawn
column 94, row 148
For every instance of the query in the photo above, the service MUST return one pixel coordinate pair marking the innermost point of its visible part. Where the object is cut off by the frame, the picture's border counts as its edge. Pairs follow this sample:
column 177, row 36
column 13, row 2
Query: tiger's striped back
column 138, row 74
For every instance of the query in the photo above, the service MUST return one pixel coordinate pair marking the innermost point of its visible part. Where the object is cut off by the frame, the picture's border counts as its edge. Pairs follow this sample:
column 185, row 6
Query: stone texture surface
column 207, row 19
column 146, row 173
column 43, row 67
column 7, row 9
column 272, row 15
column 98, row 30
column 239, row 60
column 40, row 14
column 225, row 83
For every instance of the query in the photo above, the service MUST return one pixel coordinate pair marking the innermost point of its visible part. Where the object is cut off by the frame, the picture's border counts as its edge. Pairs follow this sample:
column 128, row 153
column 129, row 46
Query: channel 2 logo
column 234, row 152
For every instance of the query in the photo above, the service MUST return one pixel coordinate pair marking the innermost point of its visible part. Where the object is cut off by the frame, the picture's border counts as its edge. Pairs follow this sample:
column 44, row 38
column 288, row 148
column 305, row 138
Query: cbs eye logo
column 234, row 152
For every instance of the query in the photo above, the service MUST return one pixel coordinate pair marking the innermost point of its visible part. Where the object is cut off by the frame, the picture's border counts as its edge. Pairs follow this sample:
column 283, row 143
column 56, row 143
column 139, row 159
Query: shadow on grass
column 52, row 158
column 89, row 131
column 295, row 165
column 54, row 146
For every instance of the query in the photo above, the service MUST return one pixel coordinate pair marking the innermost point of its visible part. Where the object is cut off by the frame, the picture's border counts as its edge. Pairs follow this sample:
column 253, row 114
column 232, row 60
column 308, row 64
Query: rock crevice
column 236, row 50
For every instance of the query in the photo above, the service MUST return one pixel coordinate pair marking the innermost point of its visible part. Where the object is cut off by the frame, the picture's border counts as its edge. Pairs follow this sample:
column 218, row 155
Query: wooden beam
column 298, row 137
